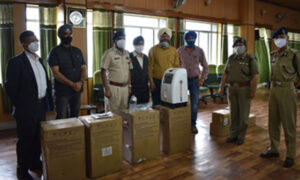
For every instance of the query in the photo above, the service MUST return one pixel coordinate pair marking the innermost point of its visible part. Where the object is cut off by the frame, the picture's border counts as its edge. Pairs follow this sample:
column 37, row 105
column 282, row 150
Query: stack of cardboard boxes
column 140, row 135
column 92, row 147
column 63, row 147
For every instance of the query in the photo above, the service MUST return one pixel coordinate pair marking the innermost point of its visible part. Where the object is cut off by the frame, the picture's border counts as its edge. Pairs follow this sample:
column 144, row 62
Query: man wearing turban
column 69, row 70
column 161, row 57
column 139, row 73
column 191, row 56
column 115, row 73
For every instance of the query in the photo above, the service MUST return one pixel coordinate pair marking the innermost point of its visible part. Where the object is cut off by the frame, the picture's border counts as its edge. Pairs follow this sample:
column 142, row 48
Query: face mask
column 66, row 40
column 139, row 48
column 280, row 42
column 190, row 43
column 33, row 47
column 239, row 49
column 121, row 43
column 164, row 44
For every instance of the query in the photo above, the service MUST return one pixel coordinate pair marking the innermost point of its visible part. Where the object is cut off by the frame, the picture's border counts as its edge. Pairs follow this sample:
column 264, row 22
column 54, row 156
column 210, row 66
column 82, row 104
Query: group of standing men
column 241, row 73
column 125, row 74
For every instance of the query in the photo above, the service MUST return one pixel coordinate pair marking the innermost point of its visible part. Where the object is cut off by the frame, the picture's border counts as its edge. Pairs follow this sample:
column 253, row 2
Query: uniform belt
column 282, row 84
column 239, row 84
column 118, row 84
column 193, row 78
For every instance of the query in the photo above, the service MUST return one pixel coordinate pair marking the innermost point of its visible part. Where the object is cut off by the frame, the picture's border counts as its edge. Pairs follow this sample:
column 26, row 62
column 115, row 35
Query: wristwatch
column 129, row 86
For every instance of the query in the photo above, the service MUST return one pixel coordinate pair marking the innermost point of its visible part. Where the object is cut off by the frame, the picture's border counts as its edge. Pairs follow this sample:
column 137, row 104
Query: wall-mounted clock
column 76, row 17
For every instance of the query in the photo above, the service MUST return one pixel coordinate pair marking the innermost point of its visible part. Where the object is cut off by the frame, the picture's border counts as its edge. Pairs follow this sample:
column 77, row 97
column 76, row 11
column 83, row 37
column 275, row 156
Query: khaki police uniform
column 239, row 75
column 118, row 66
column 283, row 99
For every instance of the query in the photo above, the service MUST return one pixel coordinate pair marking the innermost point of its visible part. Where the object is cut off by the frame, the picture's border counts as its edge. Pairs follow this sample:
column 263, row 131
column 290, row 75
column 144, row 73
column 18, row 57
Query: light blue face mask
column 164, row 44
column 190, row 43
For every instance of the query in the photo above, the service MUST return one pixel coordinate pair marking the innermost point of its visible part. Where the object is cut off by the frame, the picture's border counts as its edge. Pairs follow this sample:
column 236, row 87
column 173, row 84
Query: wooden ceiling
column 292, row 4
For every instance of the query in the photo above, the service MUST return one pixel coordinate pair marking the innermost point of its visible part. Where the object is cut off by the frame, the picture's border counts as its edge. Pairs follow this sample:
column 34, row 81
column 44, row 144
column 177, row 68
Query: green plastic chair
column 98, row 91
column 221, row 69
column 212, row 81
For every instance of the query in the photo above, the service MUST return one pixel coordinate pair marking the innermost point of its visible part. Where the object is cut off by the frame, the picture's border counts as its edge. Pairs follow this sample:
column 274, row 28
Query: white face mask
column 139, row 48
column 280, row 42
column 121, row 43
column 239, row 49
column 164, row 44
column 33, row 47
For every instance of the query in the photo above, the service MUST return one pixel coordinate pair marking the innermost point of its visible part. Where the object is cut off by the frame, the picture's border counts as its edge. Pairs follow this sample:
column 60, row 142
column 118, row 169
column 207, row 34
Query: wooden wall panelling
column 291, row 20
column 19, row 25
column 36, row 1
column 191, row 7
column 79, row 2
column 135, row 3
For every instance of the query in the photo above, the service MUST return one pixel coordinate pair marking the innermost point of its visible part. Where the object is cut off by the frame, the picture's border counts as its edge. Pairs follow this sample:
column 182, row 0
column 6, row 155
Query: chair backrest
column 212, row 69
column 221, row 69
column 97, row 77
column 212, row 76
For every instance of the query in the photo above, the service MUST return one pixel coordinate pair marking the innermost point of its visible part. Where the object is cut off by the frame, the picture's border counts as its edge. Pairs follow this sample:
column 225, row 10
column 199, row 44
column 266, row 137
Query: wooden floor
column 209, row 157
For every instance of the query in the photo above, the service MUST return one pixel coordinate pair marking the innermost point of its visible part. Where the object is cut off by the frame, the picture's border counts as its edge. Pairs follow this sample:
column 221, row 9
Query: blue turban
column 279, row 31
column 63, row 28
column 118, row 34
column 190, row 33
column 240, row 40
column 138, row 39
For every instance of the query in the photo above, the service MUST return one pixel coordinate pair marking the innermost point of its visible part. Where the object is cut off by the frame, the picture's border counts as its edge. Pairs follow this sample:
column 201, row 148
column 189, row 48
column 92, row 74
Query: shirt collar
column 186, row 48
column 31, row 56
column 61, row 44
column 118, row 51
column 285, row 52
column 243, row 56
column 136, row 55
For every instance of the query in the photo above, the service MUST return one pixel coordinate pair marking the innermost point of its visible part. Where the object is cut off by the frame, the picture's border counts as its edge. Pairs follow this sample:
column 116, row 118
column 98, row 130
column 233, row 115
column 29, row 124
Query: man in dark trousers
column 29, row 90
column 69, row 71
column 139, row 73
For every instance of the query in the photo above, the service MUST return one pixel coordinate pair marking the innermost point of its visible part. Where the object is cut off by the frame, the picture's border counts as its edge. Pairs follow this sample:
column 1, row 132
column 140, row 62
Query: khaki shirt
column 238, row 68
column 283, row 69
column 117, row 64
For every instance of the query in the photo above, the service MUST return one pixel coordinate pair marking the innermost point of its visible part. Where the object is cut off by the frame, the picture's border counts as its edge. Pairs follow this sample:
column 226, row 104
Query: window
column 294, row 36
column 208, row 38
column 60, row 20
column 146, row 26
column 90, row 45
column 33, row 22
column 232, row 31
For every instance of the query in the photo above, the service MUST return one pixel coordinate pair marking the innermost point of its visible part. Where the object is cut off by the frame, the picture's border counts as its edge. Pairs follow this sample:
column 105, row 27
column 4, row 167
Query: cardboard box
column 221, row 122
column 103, row 145
column 63, row 149
column 176, row 129
column 140, row 135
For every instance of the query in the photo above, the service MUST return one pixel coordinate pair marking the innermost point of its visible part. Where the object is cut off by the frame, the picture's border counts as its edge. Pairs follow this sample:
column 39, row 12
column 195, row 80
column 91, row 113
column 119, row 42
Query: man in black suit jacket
column 29, row 90
column 139, row 72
